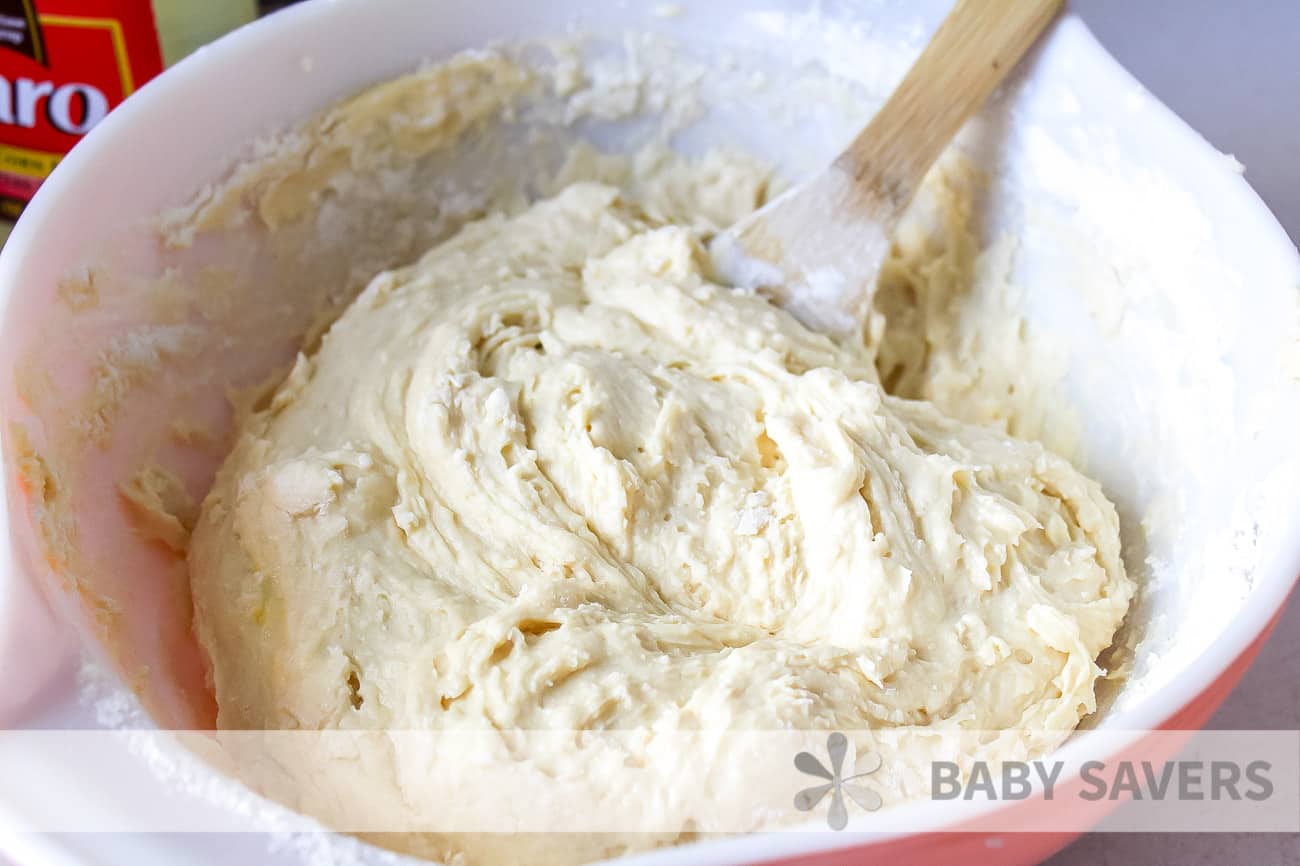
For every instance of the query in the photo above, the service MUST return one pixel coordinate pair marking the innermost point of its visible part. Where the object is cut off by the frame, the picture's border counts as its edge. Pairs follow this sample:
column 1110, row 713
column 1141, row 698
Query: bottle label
column 64, row 64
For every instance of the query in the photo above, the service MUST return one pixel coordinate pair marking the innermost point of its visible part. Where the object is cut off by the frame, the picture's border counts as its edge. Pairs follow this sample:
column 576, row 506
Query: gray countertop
column 1232, row 71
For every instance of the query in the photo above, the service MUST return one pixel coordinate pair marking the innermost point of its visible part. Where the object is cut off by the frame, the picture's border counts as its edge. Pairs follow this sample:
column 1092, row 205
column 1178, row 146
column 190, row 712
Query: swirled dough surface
column 552, row 476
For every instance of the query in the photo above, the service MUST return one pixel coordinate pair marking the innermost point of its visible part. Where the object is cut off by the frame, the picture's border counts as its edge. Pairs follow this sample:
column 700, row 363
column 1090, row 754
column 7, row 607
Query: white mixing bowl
column 1142, row 258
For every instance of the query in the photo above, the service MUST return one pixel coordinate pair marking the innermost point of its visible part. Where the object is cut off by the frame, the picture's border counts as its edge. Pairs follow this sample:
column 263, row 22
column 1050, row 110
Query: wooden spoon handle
column 972, row 51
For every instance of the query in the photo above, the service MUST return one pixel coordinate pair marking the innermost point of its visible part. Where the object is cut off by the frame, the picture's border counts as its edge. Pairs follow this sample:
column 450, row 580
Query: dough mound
column 552, row 476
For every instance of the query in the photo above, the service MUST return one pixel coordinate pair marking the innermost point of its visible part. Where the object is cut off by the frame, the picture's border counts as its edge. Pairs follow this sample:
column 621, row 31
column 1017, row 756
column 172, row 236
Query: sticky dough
column 551, row 476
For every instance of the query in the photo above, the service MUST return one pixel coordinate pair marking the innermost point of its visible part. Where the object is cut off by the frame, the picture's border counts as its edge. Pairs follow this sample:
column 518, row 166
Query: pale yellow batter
column 552, row 476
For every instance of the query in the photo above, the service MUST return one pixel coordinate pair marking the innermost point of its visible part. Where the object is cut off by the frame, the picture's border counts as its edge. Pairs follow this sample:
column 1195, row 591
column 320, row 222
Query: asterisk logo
column 837, row 785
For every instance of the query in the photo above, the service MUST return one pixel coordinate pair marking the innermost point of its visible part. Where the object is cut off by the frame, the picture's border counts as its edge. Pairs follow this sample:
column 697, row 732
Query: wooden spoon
column 816, row 250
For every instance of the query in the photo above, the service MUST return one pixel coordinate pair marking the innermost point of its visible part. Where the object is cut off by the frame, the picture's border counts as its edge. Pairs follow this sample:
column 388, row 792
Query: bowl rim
column 1151, row 711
